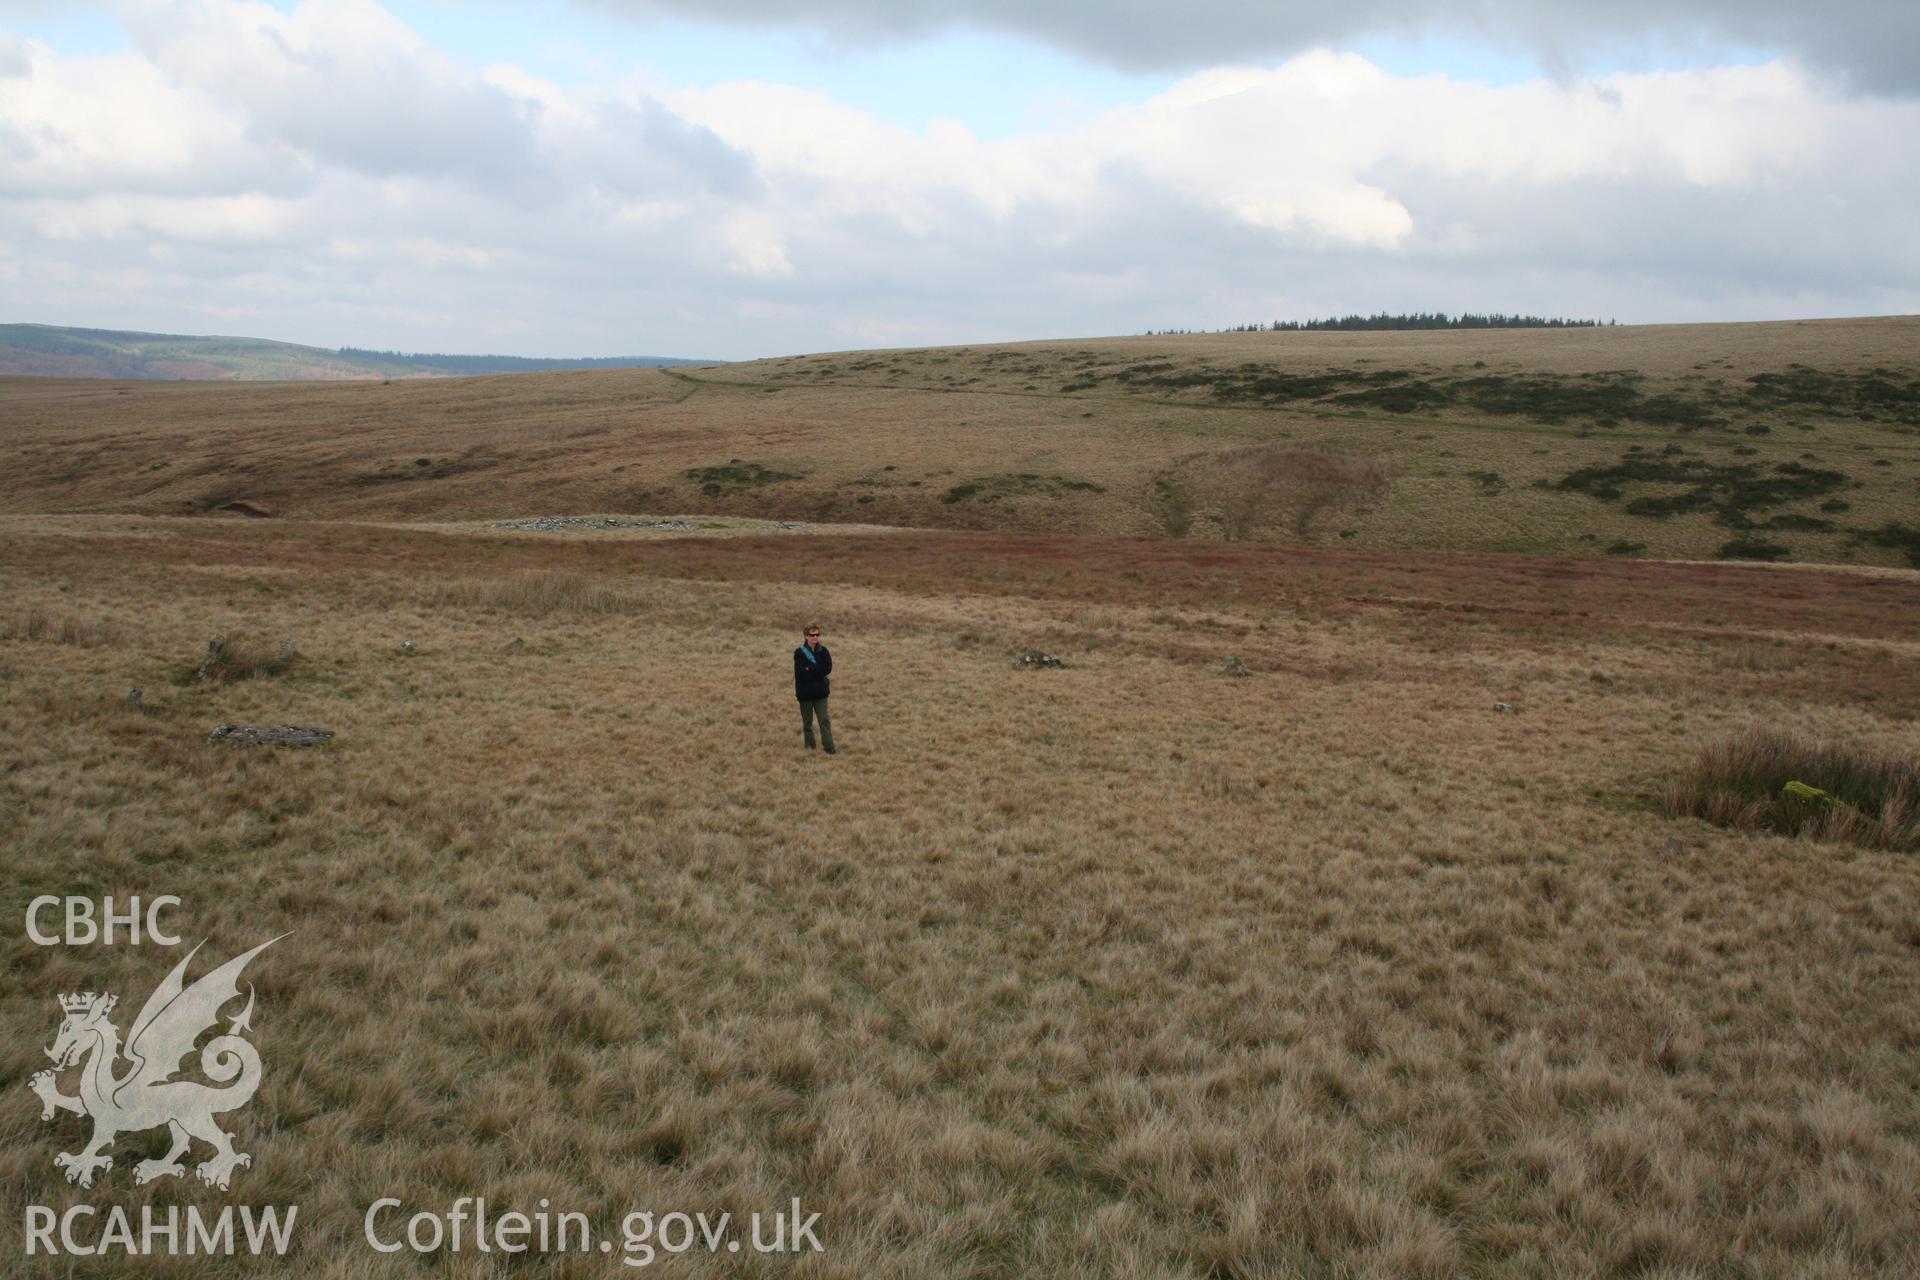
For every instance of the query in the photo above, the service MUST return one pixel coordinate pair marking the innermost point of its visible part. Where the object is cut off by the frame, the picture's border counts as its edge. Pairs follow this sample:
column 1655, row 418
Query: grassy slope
column 52, row 351
column 1134, row 968
column 988, row 437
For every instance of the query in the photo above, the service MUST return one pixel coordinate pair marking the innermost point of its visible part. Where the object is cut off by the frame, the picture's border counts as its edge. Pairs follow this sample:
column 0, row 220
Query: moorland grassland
column 1797, row 441
column 1134, row 967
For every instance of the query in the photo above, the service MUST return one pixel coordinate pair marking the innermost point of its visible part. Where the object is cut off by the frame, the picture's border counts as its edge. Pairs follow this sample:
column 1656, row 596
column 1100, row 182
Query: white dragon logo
column 147, row 1096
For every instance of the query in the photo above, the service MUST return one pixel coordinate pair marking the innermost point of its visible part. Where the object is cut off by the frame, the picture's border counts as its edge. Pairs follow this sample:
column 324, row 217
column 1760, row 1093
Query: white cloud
column 81, row 126
column 1868, row 43
column 343, row 81
column 755, row 245
column 325, row 175
column 211, row 220
column 16, row 55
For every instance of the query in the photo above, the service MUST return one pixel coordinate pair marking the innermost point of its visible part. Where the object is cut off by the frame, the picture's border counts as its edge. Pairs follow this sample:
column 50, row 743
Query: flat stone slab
column 259, row 735
column 553, row 524
column 676, row 524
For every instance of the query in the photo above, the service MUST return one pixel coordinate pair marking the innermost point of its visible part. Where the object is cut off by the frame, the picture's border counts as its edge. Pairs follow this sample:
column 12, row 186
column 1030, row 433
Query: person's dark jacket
column 810, row 672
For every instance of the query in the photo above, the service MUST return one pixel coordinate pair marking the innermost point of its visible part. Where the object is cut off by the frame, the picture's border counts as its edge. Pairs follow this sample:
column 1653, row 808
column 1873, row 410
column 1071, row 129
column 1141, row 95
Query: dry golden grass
column 1129, row 969
column 1859, row 795
column 1045, row 437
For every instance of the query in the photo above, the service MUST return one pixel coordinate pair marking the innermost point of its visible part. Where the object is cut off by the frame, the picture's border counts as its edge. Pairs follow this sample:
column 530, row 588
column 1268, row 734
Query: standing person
column 812, row 664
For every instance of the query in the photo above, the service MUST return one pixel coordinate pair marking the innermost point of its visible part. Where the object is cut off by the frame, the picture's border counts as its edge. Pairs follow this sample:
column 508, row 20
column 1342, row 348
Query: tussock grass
column 38, row 626
column 1127, row 969
column 238, row 658
column 1739, row 783
column 1752, row 656
column 540, row 595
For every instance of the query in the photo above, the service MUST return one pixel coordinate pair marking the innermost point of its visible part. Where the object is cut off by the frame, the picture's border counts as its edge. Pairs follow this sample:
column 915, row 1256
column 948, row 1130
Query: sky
column 740, row 178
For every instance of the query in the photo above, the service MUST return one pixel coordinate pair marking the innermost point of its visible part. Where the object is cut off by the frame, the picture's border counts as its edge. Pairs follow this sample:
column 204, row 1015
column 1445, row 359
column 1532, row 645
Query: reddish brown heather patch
column 1703, row 598
column 1510, row 591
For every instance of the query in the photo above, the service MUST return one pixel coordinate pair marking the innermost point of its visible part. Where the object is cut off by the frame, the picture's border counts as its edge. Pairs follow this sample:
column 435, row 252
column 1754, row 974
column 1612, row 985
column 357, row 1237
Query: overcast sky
column 735, row 178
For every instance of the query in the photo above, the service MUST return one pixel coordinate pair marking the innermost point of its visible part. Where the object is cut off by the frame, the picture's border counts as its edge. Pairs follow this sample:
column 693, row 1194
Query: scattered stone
column 1674, row 847
column 516, row 644
column 288, row 650
column 1035, row 658
column 257, row 735
column 1506, row 707
column 1235, row 667
column 215, row 648
column 133, row 696
column 406, row 647
column 553, row 524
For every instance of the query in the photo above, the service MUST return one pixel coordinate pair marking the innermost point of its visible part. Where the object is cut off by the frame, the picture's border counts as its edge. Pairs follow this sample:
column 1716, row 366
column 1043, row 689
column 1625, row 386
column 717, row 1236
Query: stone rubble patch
column 257, row 735
column 554, row 524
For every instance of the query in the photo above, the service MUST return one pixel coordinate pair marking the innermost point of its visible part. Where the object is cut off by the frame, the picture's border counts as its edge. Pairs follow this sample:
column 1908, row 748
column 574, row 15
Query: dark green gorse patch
column 991, row 489
column 1896, row 534
column 734, row 476
column 1731, row 491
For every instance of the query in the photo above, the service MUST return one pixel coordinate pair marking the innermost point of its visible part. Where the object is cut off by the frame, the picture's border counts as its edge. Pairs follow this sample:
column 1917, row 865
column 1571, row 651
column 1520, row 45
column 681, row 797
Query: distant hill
column 50, row 351
column 1689, row 442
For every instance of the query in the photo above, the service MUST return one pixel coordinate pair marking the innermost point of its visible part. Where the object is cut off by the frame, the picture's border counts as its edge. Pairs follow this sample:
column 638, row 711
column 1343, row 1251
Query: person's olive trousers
column 808, row 712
